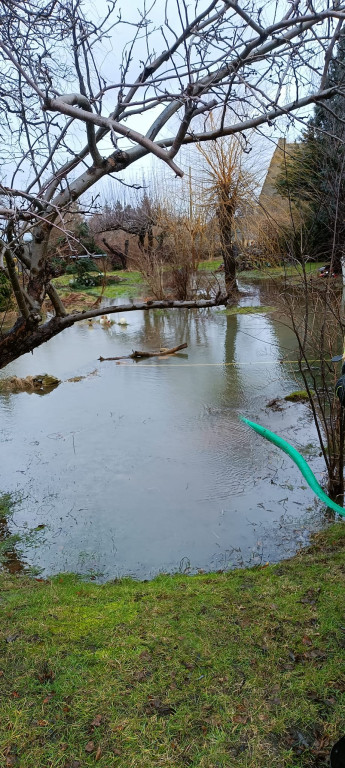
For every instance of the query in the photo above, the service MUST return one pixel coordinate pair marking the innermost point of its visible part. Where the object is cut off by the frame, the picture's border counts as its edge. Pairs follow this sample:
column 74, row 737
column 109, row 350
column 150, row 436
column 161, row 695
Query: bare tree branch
column 81, row 101
column 62, row 105
column 15, row 284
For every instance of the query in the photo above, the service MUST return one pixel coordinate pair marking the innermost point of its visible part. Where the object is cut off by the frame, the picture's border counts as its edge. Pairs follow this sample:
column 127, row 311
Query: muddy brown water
column 145, row 467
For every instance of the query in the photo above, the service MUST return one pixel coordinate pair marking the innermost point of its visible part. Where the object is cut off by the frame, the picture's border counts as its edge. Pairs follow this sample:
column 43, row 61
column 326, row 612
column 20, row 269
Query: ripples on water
column 144, row 466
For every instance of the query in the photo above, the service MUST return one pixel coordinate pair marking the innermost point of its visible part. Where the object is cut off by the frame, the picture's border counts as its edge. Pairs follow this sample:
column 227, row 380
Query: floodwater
column 144, row 467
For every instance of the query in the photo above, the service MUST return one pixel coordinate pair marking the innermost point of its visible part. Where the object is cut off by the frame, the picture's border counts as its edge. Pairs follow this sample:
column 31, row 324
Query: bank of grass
column 131, row 285
column 271, row 272
column 265, row 272
column 240, row 669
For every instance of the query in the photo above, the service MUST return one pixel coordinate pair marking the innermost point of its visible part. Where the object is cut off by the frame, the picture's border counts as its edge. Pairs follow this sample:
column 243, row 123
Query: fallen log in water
column 136, row 354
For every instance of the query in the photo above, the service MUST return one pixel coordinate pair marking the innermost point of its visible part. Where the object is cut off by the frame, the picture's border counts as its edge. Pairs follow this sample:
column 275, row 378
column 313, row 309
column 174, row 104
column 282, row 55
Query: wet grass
column 291, row 271
column 240, row 669
column 265, row 272
column 209, row 266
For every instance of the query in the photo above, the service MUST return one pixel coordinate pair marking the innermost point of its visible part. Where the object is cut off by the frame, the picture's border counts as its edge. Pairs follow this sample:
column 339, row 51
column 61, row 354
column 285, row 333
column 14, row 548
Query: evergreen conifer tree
column 315, row 175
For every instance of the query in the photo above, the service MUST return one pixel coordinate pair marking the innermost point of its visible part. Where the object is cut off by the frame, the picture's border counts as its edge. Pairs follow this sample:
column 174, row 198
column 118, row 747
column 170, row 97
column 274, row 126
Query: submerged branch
column 136, row 354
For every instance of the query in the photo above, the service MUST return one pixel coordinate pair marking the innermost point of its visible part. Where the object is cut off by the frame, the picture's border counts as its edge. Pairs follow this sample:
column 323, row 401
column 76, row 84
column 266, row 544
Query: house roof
column 282, row 151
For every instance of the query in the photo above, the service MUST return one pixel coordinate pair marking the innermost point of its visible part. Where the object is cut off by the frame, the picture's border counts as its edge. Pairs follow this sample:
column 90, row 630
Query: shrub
column 80, row 267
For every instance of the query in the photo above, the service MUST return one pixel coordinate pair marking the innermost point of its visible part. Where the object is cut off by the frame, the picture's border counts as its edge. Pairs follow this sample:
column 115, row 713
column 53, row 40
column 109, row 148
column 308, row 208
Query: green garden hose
column 299, row 460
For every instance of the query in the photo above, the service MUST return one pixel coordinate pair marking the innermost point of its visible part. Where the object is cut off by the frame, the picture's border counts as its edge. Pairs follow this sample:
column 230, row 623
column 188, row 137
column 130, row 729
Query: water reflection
column 145, row 466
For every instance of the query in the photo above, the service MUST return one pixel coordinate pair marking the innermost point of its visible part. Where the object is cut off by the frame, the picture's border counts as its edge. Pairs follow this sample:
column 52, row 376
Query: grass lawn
column 229, row 670
column 130, row 281
column 210, row 266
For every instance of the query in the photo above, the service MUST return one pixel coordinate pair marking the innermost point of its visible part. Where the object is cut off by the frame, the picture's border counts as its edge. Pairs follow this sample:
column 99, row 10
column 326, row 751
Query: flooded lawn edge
column 244, row 667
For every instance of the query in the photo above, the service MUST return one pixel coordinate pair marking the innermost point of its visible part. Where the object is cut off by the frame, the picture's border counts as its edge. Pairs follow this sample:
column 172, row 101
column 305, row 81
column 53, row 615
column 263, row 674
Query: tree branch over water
column 24, row 338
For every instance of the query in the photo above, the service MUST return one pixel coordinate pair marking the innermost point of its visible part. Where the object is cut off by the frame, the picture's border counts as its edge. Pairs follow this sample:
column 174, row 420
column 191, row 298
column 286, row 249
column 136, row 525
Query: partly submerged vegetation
column 299, row 396
column 40, row 384
column 243, row 668
column 293, row 270
column 257, row 310
column 14, row 540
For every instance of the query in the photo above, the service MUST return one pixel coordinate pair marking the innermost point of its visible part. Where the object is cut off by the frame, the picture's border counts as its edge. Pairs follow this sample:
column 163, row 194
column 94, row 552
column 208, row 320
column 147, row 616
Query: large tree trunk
column 335, row 486
column 225, row 217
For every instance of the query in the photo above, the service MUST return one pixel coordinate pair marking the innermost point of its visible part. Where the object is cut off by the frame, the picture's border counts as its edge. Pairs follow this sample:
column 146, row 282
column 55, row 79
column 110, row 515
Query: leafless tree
column 229, row 191
column 136, row 218
column 58, row 65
